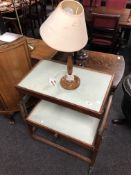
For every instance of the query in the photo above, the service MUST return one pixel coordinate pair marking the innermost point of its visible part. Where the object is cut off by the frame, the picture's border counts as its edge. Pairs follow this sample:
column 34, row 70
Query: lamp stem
column 69, row 64
column 17, row 16
column 70, row 81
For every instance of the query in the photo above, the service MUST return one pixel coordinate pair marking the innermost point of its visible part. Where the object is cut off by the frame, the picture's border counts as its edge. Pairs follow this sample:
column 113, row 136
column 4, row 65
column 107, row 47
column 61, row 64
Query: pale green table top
column 91, row 94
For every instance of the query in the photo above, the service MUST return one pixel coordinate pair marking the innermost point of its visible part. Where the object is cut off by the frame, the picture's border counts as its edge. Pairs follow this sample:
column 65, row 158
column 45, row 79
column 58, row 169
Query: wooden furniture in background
column 104, row 32
column 109, row 63
column 15, row 62
column 128, row 2
column 91, row 3
column 114, row 4
column 11, row 19
column 37, row 12
column 124, row 21
column 124, row 15
column 41, row 49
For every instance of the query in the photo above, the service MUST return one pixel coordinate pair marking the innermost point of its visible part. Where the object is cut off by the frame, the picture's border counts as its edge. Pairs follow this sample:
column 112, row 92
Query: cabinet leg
column 31, row 129
column 12, row 120
column 90, row 170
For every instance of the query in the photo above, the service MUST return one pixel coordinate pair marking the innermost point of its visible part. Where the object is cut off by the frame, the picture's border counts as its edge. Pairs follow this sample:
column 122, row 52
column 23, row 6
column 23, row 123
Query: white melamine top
column 74, row 124
column 90, row 94
column 9, row 37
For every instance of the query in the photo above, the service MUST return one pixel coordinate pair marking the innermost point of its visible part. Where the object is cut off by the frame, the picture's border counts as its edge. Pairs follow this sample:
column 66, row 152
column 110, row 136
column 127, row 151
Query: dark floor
column 21, row 155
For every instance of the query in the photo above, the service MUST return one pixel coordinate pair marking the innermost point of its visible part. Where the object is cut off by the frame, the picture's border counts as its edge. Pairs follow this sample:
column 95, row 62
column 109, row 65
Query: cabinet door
column 15, row 63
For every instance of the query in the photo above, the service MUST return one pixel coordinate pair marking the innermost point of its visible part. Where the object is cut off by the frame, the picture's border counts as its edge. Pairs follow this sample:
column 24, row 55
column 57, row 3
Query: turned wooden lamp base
column 70, row 85
column 70, row 81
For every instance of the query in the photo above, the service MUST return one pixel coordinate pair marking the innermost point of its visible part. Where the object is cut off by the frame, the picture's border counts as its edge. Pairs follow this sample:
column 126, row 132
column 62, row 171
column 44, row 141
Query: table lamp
column 65, row 30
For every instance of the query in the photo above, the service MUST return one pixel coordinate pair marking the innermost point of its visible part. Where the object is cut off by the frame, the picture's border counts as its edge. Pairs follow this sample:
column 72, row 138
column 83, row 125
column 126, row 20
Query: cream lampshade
column 65, row 30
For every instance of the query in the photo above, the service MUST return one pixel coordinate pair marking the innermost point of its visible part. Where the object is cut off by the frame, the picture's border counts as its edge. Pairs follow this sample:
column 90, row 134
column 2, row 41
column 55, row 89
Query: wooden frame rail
column 94, row 149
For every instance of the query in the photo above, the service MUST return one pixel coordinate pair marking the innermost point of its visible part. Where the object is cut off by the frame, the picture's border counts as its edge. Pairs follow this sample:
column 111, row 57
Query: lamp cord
column 53, row 80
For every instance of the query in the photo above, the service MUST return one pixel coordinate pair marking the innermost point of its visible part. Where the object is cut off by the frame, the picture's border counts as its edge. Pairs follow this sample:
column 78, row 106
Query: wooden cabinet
column 15, row 63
